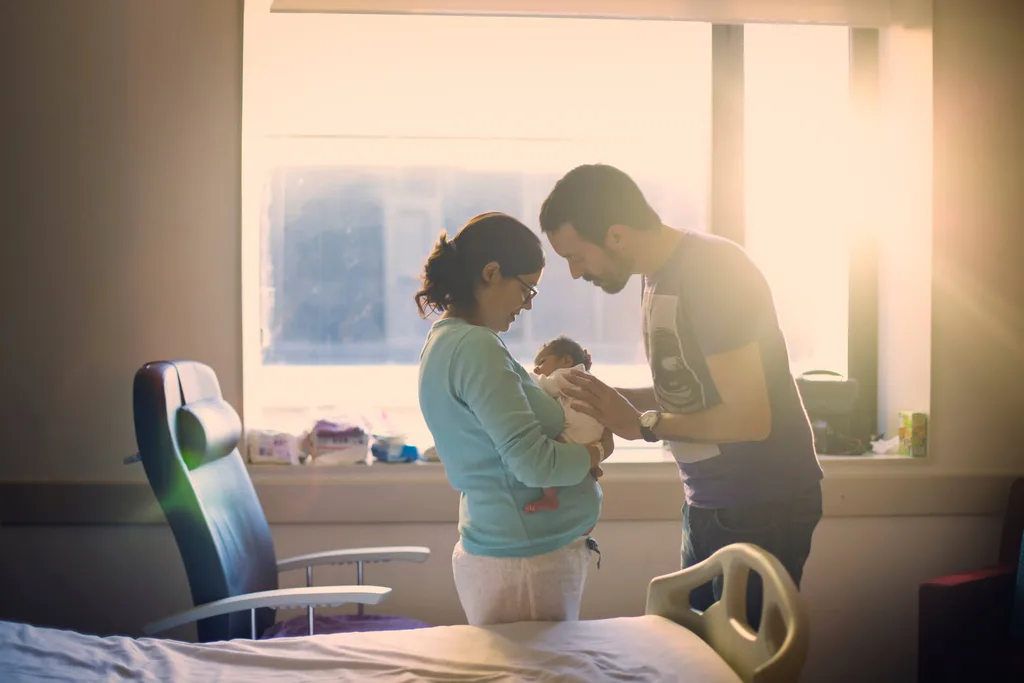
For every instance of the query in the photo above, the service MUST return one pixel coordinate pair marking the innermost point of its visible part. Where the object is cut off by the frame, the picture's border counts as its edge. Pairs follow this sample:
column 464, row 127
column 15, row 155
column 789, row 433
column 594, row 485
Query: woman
column 495, row 431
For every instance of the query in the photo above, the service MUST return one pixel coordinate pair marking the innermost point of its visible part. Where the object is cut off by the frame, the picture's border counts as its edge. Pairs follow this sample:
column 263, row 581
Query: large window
column 367, row 135
column 369, row 148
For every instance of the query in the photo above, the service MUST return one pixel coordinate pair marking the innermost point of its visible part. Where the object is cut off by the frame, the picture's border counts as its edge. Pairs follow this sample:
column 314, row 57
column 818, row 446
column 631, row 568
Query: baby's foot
column 544, row 503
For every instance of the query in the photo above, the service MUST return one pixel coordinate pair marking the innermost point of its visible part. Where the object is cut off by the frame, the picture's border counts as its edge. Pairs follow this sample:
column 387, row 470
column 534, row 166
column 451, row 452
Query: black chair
column 188, row 438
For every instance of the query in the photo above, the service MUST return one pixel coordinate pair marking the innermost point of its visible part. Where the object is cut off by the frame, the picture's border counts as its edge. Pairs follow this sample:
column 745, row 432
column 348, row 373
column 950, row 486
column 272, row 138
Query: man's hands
column 595, row 398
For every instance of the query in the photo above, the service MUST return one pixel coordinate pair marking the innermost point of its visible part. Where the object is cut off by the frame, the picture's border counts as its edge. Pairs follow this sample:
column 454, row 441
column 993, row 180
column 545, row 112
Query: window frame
column 727, row 202
column 725, row 210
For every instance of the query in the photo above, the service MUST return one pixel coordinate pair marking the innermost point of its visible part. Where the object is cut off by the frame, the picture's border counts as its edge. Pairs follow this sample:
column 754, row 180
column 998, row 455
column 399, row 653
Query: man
column 723, row 396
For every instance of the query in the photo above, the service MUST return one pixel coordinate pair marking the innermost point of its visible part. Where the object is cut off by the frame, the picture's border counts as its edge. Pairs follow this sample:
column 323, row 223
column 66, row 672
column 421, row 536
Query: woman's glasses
column 530, row 293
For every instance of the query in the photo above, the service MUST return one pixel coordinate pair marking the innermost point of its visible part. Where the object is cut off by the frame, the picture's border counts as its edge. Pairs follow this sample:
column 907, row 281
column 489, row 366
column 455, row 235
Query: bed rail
column 773, row 654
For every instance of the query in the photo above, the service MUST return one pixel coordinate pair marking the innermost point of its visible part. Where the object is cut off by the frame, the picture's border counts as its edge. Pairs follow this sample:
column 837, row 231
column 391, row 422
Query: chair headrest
column 207, row 429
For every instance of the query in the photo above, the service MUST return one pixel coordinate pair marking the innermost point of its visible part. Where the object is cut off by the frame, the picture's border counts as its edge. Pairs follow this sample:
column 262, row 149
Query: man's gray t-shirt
column 710, row 298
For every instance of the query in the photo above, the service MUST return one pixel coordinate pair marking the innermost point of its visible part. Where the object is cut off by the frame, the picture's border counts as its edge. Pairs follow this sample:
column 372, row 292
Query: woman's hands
column 600, row 450
column 608, row 441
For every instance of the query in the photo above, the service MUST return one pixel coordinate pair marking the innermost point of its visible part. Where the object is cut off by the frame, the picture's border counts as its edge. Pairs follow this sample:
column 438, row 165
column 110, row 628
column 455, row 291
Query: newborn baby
column 554, row 361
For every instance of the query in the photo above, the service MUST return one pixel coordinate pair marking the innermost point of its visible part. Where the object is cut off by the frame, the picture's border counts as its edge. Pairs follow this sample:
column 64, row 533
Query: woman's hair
column 564, row 346
column 454, row 268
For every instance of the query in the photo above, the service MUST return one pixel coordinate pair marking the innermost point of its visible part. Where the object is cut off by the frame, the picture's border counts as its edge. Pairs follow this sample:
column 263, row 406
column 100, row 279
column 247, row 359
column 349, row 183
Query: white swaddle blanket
column 579, row 427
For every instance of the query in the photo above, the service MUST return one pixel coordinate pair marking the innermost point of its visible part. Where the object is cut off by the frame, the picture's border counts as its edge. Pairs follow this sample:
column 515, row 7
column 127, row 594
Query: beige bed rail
column 776, row 652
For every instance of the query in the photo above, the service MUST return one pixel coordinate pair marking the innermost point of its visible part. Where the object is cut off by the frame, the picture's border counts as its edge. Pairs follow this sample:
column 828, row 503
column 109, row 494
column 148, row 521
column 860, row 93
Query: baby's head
column 559, row 353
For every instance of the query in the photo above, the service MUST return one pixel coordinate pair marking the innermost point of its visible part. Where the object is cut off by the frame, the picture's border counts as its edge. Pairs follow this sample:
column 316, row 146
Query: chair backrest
column 1013, row 524
column 1011, row 551
column 188, row 438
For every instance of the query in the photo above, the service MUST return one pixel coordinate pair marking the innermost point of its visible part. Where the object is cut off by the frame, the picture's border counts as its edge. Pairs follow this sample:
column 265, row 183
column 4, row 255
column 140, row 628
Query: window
column 367, row 135
column 798, row 189
column 369, row 148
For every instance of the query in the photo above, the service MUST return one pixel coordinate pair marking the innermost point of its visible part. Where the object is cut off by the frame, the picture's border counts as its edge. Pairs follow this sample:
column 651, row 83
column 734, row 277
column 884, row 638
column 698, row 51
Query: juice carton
column 913, row 433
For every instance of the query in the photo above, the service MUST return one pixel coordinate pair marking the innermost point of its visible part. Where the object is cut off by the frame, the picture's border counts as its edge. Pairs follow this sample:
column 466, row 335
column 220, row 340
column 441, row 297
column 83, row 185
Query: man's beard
column 612, row 287
column 619, row 274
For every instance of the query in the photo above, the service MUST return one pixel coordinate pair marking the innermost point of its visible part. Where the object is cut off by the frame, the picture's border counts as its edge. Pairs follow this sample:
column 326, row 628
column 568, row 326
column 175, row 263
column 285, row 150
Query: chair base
column 341, row 623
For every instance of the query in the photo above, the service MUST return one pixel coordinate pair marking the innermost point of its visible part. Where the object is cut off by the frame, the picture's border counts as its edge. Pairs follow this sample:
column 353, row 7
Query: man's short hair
column 594, row 197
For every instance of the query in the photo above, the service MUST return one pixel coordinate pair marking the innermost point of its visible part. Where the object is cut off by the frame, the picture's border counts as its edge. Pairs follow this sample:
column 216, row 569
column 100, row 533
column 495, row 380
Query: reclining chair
column 188, row 438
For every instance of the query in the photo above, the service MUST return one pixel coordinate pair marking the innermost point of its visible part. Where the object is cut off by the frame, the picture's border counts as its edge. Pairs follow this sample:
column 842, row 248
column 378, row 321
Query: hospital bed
column 671, row 642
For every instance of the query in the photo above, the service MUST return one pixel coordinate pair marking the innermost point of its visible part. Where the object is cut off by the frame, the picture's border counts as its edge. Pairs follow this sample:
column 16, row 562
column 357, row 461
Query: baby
column 554, row 361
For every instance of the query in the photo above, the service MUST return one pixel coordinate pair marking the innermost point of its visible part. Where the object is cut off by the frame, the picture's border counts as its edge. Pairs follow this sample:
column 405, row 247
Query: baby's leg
column 547, row 501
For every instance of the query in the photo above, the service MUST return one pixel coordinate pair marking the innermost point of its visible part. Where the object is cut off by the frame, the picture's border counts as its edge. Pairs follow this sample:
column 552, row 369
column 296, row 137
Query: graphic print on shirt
column 676, row 386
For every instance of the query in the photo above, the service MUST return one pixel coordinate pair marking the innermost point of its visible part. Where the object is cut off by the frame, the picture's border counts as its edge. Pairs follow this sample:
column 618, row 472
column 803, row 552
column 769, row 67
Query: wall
column 978, row 284
column 122, row 149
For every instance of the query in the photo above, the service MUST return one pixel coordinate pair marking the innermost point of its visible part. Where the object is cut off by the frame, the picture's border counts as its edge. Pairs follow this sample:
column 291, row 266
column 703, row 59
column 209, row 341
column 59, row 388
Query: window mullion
column 864, row 262
column 727, row 202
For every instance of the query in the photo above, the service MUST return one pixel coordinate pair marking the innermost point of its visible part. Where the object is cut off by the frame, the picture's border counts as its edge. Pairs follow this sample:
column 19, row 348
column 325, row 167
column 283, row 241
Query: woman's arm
column 485, row 379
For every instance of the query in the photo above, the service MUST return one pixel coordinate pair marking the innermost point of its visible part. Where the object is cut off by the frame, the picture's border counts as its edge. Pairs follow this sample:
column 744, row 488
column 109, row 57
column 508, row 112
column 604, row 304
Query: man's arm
column 641, row 399
column 744, row 413
column 727, row 300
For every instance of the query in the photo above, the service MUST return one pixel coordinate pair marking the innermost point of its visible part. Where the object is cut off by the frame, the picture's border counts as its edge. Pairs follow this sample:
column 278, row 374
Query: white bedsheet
column 648, row 649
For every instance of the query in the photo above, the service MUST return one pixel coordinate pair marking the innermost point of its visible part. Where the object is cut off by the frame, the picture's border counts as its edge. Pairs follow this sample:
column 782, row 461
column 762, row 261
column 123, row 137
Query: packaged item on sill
column 337, row 443
column 272, row 448
column 393, row 448
column 913, row 433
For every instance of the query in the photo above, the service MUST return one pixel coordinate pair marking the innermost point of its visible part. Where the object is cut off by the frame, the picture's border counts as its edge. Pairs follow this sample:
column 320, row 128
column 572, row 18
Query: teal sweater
column 494, row 432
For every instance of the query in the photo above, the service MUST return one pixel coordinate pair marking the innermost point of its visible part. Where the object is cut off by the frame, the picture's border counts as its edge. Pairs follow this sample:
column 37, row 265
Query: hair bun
column 455, row 265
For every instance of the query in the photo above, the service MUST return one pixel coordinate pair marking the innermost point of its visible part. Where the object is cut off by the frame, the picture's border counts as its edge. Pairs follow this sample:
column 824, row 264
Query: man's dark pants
column 783, row 528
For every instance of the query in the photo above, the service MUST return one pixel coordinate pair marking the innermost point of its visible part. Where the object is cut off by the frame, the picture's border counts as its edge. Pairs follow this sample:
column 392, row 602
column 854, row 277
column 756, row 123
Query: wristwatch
column 648, row 421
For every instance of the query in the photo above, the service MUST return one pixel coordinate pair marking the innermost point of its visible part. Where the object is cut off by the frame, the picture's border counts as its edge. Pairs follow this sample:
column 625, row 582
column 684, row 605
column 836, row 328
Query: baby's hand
column 597, row 473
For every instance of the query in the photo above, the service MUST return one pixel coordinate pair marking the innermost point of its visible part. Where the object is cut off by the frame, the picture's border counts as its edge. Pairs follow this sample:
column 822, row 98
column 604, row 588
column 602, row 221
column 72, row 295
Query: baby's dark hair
column 454, row 268
column 564, row 346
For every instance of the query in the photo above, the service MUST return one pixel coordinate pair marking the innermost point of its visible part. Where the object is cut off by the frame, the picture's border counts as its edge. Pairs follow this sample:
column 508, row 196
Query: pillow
column 207, row 429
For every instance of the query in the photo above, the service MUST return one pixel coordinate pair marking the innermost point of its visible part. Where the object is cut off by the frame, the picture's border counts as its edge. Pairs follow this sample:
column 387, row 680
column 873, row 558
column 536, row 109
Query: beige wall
column 121, row 143
column 121, row 150
column 978, row 292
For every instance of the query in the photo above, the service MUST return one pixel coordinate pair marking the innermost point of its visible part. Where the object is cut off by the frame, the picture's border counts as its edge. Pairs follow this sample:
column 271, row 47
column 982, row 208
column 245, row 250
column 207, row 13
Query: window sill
column 644, row 461
column 634, row 492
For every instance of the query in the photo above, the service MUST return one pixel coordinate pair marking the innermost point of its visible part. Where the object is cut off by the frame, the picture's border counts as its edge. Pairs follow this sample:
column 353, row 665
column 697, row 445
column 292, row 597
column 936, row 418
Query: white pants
column 497, row 590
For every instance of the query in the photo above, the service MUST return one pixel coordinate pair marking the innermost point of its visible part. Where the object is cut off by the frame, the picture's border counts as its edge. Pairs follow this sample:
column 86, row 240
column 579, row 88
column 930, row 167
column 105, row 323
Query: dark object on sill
column 829, row 441
column 829, row 399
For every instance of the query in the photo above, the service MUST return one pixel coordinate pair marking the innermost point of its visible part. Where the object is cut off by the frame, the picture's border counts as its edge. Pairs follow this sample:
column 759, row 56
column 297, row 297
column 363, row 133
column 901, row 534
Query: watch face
column 649, row 419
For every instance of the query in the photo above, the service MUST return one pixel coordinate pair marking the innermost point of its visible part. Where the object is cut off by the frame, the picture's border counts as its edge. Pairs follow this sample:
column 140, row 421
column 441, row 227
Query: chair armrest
column 959, row 616
column 965, row 580
column 326, row 596
column 405, row 553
